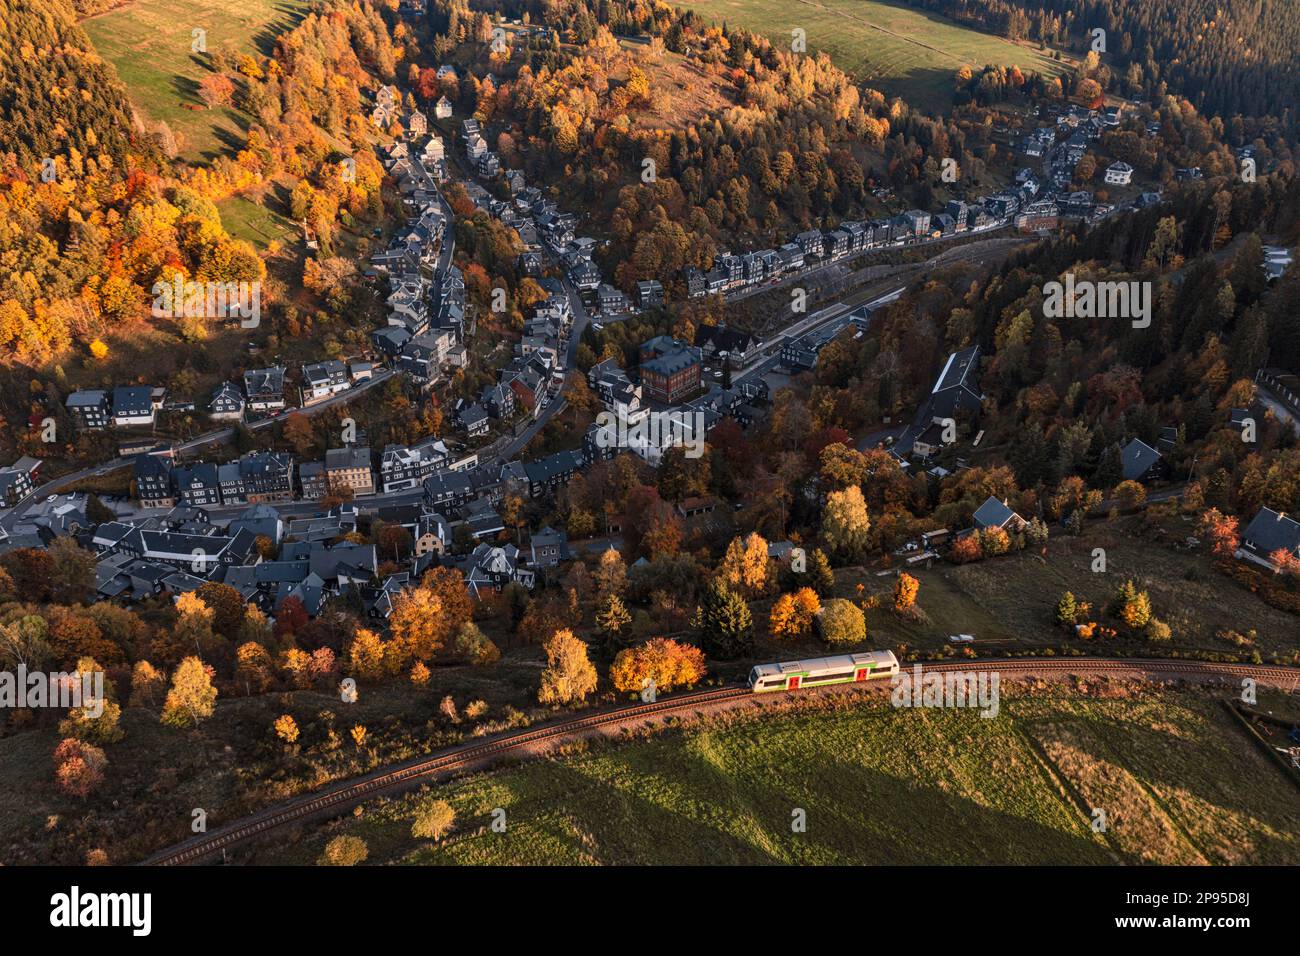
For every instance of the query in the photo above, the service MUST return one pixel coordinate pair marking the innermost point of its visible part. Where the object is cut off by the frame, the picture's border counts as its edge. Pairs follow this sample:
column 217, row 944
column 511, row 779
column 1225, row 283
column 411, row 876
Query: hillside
column 149, row 43
column 899, row 51
column 879, row 785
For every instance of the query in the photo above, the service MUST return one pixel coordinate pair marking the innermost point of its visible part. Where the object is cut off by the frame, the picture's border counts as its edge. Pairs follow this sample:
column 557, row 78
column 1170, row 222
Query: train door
column 793, row 683
column 863, row 673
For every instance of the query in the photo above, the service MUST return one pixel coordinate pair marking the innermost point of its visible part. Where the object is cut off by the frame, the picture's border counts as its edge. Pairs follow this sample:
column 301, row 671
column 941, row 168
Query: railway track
column 337, row 798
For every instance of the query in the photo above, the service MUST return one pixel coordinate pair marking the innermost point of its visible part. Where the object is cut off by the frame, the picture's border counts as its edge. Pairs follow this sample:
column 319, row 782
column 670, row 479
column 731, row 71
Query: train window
column 842, row 675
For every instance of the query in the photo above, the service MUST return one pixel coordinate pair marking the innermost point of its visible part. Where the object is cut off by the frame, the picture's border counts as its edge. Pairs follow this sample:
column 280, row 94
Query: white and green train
column 820, row 671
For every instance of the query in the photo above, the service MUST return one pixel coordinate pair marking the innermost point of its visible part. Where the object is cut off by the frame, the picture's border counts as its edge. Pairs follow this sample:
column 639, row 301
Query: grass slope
column 879, row 785
column 149, row 42
column 898, row 50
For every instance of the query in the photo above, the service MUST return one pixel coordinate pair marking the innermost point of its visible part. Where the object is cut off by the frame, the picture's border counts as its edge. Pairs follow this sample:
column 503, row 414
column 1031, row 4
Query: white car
column 962, row 639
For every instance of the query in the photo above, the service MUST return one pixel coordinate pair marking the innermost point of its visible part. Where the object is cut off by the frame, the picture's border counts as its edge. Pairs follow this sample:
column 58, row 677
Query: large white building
column 1119, row 173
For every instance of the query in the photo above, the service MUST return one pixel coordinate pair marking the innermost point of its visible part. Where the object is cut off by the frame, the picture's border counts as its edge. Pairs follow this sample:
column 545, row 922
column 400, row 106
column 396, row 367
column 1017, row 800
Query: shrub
column 1157, row 630
column 841, row 622
column 344, row 851
column 433, row 820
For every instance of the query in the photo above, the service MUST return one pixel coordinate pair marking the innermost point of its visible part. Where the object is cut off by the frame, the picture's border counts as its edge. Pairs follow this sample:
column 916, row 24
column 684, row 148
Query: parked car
column 962, row 639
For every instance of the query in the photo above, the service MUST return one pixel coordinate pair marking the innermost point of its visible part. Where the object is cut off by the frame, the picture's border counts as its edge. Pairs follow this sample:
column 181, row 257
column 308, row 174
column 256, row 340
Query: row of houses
column 734, row 272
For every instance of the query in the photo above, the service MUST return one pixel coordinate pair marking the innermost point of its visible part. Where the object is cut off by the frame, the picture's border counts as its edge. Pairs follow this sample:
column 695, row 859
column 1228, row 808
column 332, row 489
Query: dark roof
column 993, row 513
column 1272, row 530
column 1138, row 458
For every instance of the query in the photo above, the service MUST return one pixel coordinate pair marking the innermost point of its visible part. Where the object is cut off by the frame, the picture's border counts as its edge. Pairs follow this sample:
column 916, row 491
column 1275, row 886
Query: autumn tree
column 569, row 675
column 846, row 526
column 434, row 819
column 1067, row 609
column 147, row 685
column 254, row 667
column 1221, row 531
column 192, row 697
column 472, row 646
column 216, row 89
column 841, row 622
column 286, row 728
column 668, row 663
column 344, row 851
column 79, row 767
column 366, row 655
column 1132, row 605
column 905, row 591
column 793, row 614
column 416, row 624
column 610, row 574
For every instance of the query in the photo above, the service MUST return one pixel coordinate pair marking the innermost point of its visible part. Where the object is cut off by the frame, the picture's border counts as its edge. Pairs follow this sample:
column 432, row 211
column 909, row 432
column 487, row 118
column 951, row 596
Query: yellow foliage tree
column 569, row 675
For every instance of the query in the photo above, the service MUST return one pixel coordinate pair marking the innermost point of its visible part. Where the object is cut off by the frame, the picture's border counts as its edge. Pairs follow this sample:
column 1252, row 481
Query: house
column 649, row 293
column 492, row 568
column 474, row 420
column 322, row 380
column 1119, row 173
column 919, row 222
column 257, row 477
column 133, row 405
column 548, row 548
column 197, row 484
column 612, row 301
column 448, row 489
column 716, row 340
column 417, row 124
column 997, row 514
column 89, row 409
column 226, row 404
column 1269, row 533
column 349, row 468
column 402, row 468
column 955, row 392
column 670, row 370
column 153, row 482
column 16, row 481
column 1141, row 462
column 264, row 388
column 547, row 474
column 261, row 520
column 442, row 109
column 694, row 507
column 312, row 480
column 431, row 534
column 498, row 400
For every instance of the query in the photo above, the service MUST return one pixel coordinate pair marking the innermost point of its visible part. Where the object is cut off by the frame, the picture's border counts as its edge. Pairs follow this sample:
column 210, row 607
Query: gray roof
column 1137, row 458
column 1271, row 531
column 993, row 514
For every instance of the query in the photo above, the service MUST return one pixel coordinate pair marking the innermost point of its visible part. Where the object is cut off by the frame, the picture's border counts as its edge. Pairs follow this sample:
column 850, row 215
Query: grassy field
column 255, row 221
column 1009, row 602
column 898, row 50
column 149, row 42
column 1178, row 781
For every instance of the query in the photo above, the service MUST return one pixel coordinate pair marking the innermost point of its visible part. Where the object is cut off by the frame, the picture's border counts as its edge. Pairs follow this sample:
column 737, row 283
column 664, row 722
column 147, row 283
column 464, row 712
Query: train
column 821, row 671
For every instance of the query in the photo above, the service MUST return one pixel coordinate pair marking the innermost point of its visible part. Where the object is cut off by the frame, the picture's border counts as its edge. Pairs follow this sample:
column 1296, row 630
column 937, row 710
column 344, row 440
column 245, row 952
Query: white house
column 1119, row 173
